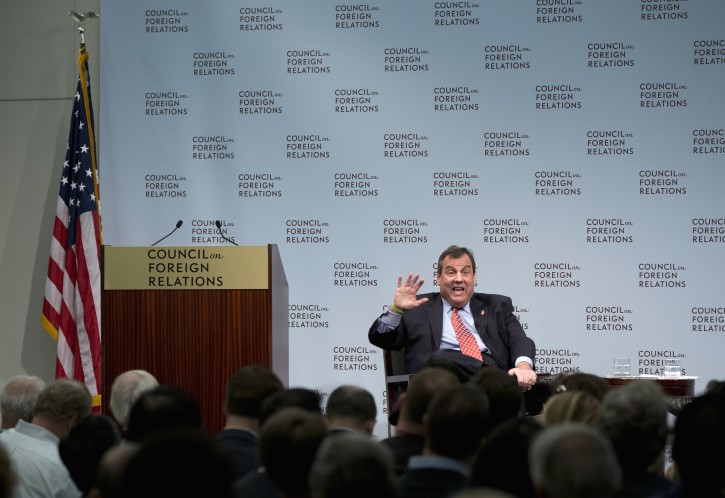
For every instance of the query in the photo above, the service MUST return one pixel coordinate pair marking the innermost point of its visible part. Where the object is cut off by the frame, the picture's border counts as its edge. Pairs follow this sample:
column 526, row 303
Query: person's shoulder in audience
column 483, row 492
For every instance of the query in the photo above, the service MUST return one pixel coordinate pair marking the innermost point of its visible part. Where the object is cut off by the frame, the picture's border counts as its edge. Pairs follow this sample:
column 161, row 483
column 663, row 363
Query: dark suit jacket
column 241, row 446
column 421, row 328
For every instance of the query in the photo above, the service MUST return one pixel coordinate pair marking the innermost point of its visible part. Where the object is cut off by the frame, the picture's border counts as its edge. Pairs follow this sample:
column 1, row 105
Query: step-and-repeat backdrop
column 576, row 146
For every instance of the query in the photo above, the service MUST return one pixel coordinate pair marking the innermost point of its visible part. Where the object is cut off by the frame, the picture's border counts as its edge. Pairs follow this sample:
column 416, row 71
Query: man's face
column 457, row 279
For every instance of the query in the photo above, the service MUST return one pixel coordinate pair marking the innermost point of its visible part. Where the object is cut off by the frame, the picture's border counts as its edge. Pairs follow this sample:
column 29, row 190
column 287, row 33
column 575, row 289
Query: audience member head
column 699, row 435
column 571, row 406
column 82, row 450
column 634, row 417
column 18, row 398
column 182, row 463
column 125, row 390
column 456, row 423
column 7, row 475
column 61, row 405
column 573, row 460
column 502, row 463
column 247, row 389
column 163, row 408
column 111, row 468
column 351, row 407
column 299, row 397
column 287, row 446
column 421, row 389
column 715, row 386
column 504, row 394
column 352, row 466
column 581, row 381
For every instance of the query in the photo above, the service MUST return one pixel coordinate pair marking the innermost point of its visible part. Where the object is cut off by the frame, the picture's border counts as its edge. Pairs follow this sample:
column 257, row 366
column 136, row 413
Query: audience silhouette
column 456, row 422
column 502, row 463
column 181, row 462
column 350, row 465
column 453, row 440
column 246, row 390
column 634, row 418
column 160, row 409
column 33, row 446
column 84, row 447
column 409, row 436
column 699, row 435
column 573, row 460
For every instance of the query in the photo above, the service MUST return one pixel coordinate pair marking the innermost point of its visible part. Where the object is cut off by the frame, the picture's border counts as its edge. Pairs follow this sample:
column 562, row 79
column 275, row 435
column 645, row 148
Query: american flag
column 72, row 304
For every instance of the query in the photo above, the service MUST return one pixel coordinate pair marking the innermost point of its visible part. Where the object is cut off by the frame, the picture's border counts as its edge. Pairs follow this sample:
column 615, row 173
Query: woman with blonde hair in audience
column 571, row 406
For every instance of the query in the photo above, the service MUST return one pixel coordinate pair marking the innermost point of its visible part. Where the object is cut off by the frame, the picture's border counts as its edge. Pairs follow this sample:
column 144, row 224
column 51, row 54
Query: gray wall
column 37, row 83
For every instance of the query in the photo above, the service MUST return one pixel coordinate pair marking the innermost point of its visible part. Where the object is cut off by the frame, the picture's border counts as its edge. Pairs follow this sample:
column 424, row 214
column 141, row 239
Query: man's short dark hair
column 299, row 397
column 162, row 408
column 351, row 401
column 458, row 420
column 455, row 252
column 421, row 389
column 287, row 447
column 248, row 387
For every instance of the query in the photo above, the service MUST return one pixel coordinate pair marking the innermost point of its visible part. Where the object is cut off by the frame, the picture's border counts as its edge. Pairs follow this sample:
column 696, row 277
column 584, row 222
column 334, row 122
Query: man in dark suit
column 425, row 325
column 456, row 422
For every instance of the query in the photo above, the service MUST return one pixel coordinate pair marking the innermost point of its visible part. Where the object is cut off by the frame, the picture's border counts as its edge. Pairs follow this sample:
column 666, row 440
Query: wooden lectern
column 192, row 316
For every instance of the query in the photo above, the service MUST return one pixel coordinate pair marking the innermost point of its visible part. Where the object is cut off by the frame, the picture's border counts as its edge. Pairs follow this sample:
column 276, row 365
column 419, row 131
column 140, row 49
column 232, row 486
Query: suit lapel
column 480, row 312
column 434, row 310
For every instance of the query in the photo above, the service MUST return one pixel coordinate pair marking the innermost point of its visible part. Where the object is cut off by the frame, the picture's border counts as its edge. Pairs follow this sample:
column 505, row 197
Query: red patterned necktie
column 468, row 343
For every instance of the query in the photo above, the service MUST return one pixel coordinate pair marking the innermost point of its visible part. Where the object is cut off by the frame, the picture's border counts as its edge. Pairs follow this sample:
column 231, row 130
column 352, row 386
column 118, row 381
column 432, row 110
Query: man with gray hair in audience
column 125, row 390
column 18, row 398
column 33, row 446
column 351, row 465
column 573, row 460
column 634, row 418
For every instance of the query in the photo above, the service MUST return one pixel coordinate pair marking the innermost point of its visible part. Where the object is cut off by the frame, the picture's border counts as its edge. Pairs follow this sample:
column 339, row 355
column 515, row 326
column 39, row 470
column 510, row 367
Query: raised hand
column 406, row 295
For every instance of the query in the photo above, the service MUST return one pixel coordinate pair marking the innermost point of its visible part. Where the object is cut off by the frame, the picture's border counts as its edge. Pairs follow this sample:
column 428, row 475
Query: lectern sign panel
column 186, row 267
